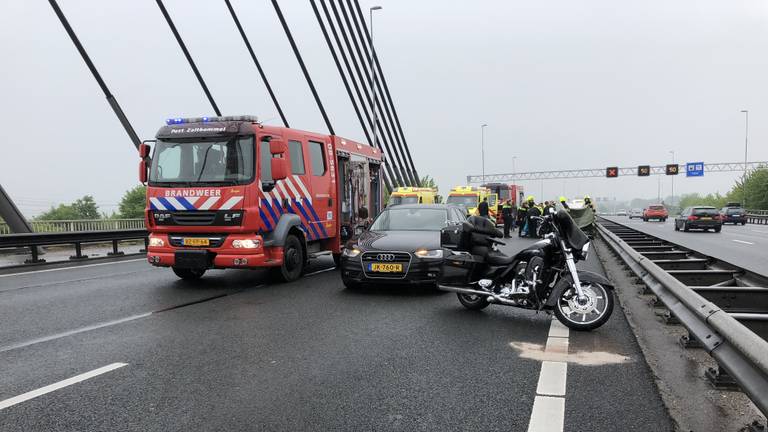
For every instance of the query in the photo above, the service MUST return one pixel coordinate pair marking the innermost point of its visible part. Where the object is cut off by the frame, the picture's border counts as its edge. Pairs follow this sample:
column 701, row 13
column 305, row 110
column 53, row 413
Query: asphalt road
column 745, row 246
column 235, row 352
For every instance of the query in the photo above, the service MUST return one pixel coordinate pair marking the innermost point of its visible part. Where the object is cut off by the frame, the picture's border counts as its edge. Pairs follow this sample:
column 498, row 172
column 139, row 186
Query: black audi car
column 402, row 246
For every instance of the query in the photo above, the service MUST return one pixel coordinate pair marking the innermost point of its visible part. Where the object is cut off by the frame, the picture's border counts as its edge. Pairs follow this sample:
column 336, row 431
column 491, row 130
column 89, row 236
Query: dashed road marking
column 548, row 412
column 59, row 385
column 742, row 241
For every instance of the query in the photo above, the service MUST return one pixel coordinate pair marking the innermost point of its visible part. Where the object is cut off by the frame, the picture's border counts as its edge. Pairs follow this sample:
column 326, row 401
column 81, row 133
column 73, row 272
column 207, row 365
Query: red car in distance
column 655, row 211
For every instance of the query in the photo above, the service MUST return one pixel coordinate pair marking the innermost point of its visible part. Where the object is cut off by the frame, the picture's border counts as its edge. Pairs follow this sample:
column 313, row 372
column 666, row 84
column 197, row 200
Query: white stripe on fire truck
column 303, row 188
column 208, row 203
column 192, row 200
column 230, row 203
column 281, row 185
column 293, row 189
column 276, row 194
column 158, row 205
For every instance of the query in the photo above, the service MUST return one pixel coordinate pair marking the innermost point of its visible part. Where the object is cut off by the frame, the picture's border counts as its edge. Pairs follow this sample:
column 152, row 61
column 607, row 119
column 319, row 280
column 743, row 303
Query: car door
column 322, row 177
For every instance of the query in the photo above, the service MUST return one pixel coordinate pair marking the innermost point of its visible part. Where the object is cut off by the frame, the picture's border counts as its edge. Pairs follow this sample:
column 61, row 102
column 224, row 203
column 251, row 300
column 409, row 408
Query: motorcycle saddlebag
column 458, row 269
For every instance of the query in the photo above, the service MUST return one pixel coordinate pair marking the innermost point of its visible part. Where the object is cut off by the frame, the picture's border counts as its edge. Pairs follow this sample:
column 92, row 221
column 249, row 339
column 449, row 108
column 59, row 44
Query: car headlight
column 424, row 253
column 246, row 244
column 351, row 252
column 156, row 242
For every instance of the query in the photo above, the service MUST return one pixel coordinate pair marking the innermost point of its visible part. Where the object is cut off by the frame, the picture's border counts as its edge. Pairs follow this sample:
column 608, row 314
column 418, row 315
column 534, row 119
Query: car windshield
column 403, row 200
column 465, row 200
column 411, row 219
column 732, row 210
column 203, row 162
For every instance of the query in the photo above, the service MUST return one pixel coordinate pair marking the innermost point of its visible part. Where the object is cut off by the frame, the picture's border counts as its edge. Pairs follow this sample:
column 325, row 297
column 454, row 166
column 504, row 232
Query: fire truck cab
column 506, row 192
column 230, row 192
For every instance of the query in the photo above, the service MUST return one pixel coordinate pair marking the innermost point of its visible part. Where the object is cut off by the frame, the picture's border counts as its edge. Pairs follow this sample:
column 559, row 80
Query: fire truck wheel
column 293, row 260
column 189, row 274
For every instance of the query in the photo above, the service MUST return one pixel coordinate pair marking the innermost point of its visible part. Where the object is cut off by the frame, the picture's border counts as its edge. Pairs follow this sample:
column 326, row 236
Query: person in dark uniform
column 521, row 217
column 506, row 214
column 533, row 210
column 482, row 209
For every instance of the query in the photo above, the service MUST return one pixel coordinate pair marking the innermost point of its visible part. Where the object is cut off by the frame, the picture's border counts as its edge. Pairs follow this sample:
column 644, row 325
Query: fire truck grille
column 194, row 218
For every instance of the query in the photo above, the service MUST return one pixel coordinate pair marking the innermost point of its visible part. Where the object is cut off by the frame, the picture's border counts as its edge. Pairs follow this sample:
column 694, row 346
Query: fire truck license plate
column 386, row 268
column 195, row 241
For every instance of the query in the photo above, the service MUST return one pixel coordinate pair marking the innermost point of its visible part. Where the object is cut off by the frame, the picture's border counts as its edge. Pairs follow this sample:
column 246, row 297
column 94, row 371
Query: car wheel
column 685, row 227
column 293, row 260
column 743, row 223
column 189, row 274
column 718, row 229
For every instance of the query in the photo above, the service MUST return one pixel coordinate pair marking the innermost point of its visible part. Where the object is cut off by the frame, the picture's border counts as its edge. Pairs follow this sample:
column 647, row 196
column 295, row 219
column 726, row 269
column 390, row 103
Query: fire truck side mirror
column 143, row 171
column 144, row 150
column 278, row 147
column 279, row 168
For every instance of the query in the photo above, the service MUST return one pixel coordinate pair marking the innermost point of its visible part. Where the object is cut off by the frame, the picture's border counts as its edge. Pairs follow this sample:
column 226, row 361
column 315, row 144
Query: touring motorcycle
column 542, row 277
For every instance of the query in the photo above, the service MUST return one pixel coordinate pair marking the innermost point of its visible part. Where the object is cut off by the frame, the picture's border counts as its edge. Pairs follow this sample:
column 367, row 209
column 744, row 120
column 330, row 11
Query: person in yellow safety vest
column 588, row 202
column 564, row 203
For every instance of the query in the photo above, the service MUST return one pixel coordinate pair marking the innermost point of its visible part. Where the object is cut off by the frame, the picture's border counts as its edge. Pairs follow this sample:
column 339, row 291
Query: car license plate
column 706, row 218
column 385, row 268
column 195, row 241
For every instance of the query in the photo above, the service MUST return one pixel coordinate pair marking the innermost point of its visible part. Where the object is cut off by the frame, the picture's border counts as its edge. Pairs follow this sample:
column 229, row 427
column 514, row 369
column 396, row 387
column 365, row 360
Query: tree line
column 131, row 206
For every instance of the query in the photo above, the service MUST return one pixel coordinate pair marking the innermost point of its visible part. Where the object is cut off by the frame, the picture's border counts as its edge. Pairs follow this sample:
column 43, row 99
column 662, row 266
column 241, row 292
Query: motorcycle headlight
column 424, row 253
column 351, row 252
column 156, row 242
column 246, row 244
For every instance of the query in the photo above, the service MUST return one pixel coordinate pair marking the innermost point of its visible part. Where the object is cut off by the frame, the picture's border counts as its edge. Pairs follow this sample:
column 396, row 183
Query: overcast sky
column 562, row 84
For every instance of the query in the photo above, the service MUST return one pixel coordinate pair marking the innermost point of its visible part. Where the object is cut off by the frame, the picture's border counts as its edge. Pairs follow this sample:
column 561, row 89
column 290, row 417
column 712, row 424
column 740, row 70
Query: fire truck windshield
column 203, row 162
column 469, row 201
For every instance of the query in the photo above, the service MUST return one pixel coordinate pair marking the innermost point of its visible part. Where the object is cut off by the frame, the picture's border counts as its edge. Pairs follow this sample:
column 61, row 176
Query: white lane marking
column 552, row 378
column 70, row 268
column 72, row 332
column 548, row 414
column 742, row 241
column 59, row 385
column 319, row 271
column 557, row 329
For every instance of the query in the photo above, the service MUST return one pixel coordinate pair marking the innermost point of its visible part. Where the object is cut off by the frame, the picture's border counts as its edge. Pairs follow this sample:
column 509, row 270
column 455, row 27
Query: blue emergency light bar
column 182, row 120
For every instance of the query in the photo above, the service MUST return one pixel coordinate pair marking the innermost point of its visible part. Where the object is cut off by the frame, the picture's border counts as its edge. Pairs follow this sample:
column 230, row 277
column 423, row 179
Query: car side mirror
column 144, row 150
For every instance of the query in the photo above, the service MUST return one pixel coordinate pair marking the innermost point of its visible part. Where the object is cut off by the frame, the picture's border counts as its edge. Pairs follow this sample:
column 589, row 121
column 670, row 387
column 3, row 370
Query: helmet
column 586, row 197
column 530, row 198
column 563, row 199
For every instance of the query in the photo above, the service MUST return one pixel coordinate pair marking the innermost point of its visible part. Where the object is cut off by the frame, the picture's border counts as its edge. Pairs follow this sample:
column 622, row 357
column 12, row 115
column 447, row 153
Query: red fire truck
column 230, row 192
column 505, row 192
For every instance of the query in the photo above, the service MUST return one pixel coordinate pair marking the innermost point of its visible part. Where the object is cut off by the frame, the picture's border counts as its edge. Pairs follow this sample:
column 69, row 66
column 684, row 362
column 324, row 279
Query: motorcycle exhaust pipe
column 492, row 298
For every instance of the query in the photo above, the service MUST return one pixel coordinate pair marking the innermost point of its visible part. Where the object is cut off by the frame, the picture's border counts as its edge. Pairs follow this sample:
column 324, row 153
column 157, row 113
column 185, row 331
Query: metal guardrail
column 34, row 240
column 741, row 352
column 77, row 225
column 759, row 219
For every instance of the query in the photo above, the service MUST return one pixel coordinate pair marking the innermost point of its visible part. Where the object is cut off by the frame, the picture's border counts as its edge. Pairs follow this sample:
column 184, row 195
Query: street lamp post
column 673, row 178
column 482, row 147
column 373, row 78
column 744, row 178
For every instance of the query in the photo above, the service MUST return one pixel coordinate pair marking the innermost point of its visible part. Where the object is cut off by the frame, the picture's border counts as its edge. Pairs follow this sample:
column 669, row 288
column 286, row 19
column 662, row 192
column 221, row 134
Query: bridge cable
column 302, row 65
column 256, row 62
column 389, row 95
column 345, row 81
column 366, row 77
column 188, row 56
column 394, row 161
column 110, row 98
column 374, row 80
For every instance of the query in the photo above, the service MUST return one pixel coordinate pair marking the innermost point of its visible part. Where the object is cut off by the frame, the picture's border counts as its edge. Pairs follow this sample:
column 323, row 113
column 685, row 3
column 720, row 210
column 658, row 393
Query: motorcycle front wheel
column 587, row 314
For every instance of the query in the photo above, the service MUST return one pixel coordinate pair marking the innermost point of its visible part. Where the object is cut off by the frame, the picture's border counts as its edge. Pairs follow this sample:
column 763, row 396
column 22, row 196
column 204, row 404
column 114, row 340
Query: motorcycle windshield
column 573, row 236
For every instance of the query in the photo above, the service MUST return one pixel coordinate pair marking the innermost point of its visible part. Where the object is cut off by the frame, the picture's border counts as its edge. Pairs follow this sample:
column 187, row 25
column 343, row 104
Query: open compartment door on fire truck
column 359, row 192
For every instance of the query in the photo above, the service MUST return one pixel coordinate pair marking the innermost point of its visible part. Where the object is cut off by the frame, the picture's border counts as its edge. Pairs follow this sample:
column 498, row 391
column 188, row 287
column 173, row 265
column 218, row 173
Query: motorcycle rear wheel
column 472, row 301
column 589, row 316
